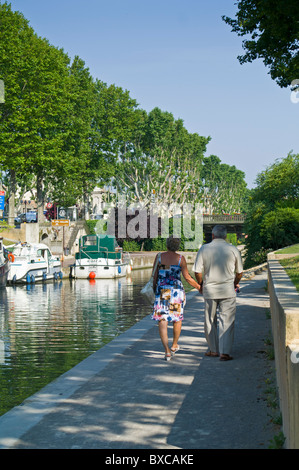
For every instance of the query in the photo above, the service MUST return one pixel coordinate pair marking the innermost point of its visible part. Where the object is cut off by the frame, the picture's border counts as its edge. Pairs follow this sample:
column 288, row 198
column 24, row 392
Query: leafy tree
column 74, row 176
column 36, row 104
column 224, row 185
column 15, row 39
column 60, row 130
column 273, row 30
column 279, row 182
column 280, row 228
column 49, row 108
column 62, row 133
column 271, row 220
column 161, row 158
column 115, row 118
column 100, row 118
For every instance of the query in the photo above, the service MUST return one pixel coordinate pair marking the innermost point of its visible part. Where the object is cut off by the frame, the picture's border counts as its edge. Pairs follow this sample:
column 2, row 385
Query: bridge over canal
column 234, row 224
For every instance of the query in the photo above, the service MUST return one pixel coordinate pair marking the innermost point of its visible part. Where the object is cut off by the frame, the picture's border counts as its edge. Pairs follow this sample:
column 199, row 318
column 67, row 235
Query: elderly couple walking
column 218, row 271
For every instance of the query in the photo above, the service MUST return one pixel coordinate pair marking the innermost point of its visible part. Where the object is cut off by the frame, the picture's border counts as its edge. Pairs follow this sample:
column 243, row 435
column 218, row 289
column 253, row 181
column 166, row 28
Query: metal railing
column 224, row 218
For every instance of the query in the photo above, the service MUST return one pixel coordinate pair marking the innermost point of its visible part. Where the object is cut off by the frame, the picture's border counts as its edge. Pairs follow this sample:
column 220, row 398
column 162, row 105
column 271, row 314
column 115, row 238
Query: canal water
column 46, row 329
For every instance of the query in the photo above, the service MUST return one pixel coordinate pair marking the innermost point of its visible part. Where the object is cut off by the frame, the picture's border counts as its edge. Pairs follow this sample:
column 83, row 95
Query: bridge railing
column 223, row 218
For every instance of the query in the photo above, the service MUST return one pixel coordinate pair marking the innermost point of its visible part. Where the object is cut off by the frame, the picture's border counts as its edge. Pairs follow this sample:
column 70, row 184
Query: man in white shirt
column 218, row 268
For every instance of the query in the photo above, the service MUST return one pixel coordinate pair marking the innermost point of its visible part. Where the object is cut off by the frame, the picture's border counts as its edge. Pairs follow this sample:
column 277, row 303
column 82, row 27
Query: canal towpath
column 125, row 396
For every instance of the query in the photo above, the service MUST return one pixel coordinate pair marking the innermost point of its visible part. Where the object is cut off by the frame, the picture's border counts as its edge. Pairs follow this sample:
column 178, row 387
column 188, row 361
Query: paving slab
column 125, row 396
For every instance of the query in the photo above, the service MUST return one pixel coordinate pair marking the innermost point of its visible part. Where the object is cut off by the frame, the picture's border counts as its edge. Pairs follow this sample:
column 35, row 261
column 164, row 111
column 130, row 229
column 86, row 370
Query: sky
column 179, row 56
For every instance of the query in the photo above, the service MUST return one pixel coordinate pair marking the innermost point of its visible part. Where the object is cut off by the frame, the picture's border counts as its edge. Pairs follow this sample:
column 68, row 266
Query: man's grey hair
column 219, row 231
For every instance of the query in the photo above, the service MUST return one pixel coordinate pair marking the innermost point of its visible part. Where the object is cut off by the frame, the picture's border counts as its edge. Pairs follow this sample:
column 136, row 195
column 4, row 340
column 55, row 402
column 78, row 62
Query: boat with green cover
column 100, row 257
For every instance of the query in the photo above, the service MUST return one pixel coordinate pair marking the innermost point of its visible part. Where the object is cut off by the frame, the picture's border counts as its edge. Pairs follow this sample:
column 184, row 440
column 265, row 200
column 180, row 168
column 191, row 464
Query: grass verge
column 291, row 266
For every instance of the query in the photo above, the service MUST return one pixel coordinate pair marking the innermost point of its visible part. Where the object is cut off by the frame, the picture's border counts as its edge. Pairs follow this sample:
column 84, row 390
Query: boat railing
column 85, row 253
column 89, row 253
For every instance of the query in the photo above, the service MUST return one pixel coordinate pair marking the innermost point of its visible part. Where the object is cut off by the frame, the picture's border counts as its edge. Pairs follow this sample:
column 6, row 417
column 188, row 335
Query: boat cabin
column 99, row 246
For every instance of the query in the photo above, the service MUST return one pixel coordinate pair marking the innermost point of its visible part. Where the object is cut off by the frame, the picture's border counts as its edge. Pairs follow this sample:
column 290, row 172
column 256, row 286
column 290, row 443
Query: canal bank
column 125, row 396
column 140, row 260
column 145, row 260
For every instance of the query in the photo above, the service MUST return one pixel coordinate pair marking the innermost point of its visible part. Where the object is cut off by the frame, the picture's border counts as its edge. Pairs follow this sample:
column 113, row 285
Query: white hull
column 33, row 263
column 26, row 273
column 99, row 269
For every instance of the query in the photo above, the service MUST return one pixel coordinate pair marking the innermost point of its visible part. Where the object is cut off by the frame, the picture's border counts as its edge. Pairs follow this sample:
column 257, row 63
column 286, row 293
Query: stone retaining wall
column 284, row 305
column 26, row 233
column 142, row 260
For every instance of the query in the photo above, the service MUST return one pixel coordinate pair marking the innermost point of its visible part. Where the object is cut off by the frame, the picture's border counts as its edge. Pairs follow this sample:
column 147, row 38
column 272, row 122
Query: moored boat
column 32, row 262
column 100, row 257
column 4, row 265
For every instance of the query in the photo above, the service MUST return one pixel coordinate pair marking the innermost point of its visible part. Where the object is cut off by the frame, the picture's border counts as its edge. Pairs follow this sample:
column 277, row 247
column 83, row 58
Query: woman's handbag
column 148, row 289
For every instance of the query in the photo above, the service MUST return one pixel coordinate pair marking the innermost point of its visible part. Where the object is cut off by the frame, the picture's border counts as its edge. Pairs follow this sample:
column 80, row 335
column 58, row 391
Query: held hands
column 200, row 288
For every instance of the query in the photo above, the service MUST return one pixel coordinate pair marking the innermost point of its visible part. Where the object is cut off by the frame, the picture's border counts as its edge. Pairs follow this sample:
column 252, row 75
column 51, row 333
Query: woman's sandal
column 167, row 357
column 174, row 350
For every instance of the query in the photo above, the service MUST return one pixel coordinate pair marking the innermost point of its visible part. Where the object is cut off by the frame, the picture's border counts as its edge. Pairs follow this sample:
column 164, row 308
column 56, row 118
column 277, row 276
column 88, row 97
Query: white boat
column 32, row 262
column 4, row 265
column 100, row 257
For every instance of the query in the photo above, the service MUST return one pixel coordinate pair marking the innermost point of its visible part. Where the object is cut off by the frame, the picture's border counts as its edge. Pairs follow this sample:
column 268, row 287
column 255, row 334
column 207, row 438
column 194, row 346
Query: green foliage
column 62, row 133
column 290, row 249
column 162, row 156
column 278, row 441
column 272, row 217
column 60, row 130
column 224, row 184
column 36, row 105
column 155, row 244
column 260, row 256
column 279, row 183
column 291, row 265
column 232, row 238
column 115, row 118
column 186, row 235
column 91, row 225
column 273, row 30
column 4, row 226
column 280, row 228
column 131, row 245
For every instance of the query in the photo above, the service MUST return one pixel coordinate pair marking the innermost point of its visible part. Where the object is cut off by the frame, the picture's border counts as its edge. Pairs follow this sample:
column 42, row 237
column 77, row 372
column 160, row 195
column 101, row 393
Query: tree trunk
column 40, row 198
column 11, row 202
column 86, row 206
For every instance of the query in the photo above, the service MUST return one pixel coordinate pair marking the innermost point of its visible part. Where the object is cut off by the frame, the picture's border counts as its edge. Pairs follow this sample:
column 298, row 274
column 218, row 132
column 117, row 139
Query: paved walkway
column 125, row 396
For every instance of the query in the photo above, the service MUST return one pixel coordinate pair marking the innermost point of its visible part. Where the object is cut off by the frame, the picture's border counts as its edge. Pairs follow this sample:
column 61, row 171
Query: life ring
column 11, row 257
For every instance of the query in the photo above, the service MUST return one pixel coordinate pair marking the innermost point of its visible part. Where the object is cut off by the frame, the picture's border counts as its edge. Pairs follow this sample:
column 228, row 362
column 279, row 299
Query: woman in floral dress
column 170, row 294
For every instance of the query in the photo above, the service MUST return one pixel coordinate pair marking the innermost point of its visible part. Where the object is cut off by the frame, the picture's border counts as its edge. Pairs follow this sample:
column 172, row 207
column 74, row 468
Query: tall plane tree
column 15, row 39
column 36, row 106
column 224, row 184
column 161, row 159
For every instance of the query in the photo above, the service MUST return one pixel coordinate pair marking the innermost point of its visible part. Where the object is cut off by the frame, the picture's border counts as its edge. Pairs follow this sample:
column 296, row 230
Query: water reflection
column 46, row 329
